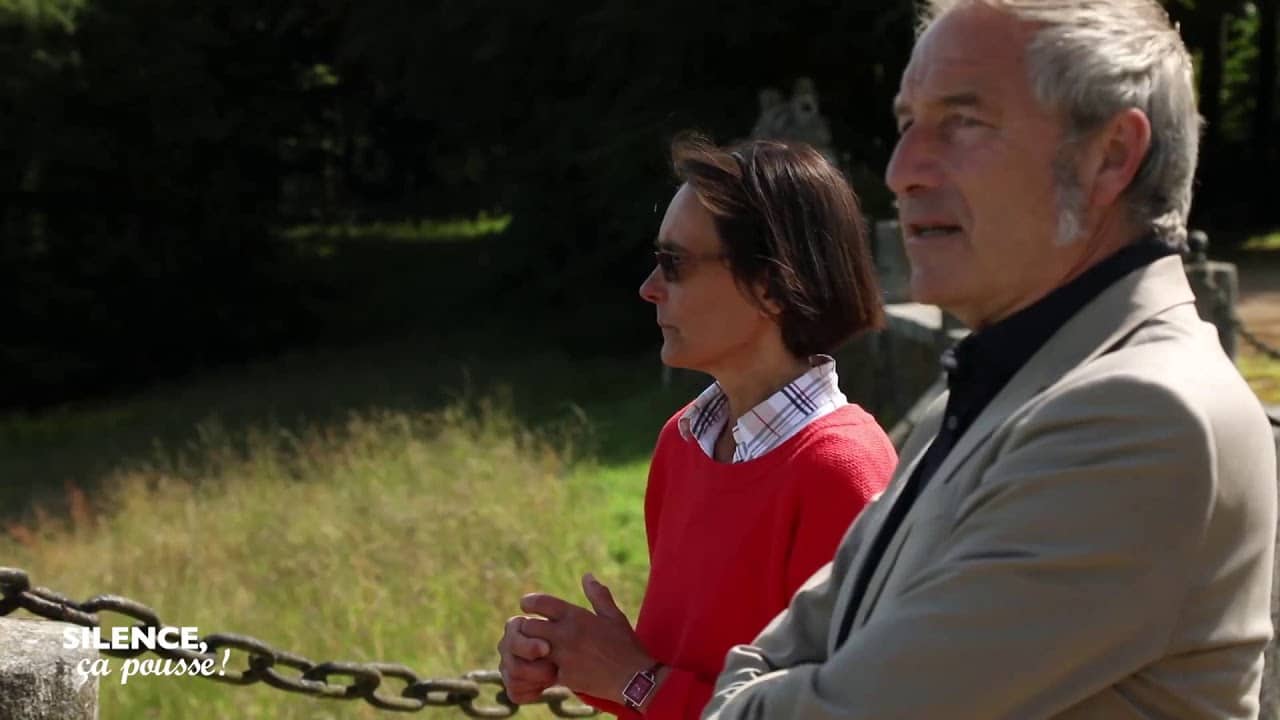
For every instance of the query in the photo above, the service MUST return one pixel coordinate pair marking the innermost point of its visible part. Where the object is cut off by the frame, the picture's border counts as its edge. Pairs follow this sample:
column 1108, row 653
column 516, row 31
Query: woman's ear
column 769, row 306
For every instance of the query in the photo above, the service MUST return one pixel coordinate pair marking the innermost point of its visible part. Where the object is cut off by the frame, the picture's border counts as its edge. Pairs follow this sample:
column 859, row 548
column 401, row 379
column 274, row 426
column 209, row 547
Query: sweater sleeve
column 832, row 489
column 608, row 706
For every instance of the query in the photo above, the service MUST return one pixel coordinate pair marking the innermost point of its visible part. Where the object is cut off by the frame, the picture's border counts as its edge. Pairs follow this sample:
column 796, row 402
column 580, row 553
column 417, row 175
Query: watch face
column 638, row 689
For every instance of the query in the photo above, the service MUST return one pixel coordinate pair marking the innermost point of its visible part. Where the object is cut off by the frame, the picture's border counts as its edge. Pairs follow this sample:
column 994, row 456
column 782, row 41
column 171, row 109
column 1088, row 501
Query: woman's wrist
column 660, row 675
column 641, row 683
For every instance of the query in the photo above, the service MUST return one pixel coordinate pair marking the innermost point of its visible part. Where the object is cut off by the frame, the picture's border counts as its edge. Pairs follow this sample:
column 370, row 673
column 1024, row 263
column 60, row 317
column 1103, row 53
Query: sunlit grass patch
column 42, row 14
column 1262, row 374
column 1265, row 241
column 393, row 536
column 408, row 231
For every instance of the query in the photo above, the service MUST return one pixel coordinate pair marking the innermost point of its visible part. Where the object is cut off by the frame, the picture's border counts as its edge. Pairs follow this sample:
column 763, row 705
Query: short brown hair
column 787, row 217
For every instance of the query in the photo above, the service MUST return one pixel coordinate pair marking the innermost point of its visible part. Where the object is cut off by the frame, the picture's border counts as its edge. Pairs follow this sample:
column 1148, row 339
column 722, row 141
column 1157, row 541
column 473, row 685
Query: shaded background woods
column 186, row 184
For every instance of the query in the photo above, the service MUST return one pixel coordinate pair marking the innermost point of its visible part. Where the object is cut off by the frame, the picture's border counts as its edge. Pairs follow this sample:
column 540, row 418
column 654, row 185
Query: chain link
column 1258, row 343
column 264, row 664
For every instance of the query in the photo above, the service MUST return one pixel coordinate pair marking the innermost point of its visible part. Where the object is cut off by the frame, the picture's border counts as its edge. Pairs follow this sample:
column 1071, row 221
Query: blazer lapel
column 1105, row 321
column 873, row 517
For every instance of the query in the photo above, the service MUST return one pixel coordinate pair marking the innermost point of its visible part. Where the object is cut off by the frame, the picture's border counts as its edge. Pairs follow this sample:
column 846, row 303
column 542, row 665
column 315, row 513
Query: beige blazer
column 1098, row 544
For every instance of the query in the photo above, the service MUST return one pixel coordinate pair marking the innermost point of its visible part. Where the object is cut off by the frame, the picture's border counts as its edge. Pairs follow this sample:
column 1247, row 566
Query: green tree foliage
column 142, row 143
column 1234, row 45
column 150, row 151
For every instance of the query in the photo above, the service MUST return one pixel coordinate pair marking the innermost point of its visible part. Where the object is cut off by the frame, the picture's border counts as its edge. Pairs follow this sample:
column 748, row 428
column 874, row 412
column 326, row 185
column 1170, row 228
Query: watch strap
column 640, row 686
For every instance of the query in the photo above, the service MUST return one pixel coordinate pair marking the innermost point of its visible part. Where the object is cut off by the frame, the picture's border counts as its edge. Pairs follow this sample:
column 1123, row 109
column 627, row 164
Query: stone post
column 891, row 261
column 1216, row 288
column 38, row 677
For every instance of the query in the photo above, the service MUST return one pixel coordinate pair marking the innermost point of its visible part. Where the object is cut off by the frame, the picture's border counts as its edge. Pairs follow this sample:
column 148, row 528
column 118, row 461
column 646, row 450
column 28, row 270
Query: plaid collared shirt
column 769, row 424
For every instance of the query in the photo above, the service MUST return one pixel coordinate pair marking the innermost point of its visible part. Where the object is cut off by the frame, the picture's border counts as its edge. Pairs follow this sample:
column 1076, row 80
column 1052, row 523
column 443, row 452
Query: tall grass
column 394, row 536
column 616, row 406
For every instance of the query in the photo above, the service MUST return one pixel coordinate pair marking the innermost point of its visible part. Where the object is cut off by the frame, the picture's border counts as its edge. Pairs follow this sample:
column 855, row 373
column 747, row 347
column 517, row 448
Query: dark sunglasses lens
column 667, row 263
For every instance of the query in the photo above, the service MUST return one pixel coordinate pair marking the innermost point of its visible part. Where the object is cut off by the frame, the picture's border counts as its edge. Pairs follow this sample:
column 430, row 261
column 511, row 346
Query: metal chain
column 1262, row 347
column 286, row 671
column 1258, row 343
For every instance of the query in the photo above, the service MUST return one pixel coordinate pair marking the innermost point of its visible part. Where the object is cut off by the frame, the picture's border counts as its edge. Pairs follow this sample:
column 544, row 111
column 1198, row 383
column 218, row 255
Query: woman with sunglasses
column 762, row 272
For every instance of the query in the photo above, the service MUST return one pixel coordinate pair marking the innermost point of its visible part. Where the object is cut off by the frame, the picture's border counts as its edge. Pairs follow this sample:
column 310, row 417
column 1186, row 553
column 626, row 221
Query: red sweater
column 729, row 544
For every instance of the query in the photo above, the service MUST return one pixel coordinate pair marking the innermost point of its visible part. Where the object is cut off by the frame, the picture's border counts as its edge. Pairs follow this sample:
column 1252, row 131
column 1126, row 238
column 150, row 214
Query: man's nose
column 913, row 165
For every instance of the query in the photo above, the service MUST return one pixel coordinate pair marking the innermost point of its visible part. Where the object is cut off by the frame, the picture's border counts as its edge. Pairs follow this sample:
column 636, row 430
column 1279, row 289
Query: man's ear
column 1115, row 155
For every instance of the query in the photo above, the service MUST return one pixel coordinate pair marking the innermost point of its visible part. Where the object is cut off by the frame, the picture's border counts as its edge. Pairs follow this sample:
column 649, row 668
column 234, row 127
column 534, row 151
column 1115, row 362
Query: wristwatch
column 640, row 687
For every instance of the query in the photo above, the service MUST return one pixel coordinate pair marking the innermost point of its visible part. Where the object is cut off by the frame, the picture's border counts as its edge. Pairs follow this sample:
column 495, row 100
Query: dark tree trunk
column 1265, row 111
column 1203, row 26
column 1210, row 19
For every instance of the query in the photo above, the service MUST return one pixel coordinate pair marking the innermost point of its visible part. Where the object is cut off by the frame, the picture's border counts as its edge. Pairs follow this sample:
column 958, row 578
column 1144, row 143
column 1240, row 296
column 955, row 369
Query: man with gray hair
column 1083, row 525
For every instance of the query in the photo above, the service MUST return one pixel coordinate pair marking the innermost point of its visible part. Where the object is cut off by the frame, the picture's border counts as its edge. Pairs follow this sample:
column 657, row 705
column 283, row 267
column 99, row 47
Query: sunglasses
column 673, row 263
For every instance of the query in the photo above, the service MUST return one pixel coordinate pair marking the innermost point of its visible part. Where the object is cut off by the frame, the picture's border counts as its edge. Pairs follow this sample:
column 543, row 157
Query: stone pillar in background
column 892, row 268
column 38, row 677
column 797, row 117
column 1216, row 287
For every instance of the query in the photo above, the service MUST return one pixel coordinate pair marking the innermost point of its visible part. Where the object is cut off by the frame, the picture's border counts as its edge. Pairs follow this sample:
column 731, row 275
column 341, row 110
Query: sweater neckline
column 849, row 415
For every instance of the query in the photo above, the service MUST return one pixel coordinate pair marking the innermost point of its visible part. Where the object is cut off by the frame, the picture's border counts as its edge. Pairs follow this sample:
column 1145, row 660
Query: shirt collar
column 768, row 424
column 995, row 353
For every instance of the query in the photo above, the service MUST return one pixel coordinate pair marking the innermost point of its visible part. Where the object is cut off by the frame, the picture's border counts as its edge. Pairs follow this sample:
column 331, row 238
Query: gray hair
column 1091, row 59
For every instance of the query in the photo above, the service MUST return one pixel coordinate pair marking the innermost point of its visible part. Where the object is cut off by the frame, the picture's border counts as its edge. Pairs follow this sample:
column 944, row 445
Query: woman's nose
column 653, row 287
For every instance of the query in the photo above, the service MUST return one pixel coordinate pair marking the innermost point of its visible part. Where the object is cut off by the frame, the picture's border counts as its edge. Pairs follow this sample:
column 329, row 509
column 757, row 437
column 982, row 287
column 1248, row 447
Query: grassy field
column 1260, row 371
column 388, row 503
column 1263, row 375
column 396, row 536
column 1258, row 262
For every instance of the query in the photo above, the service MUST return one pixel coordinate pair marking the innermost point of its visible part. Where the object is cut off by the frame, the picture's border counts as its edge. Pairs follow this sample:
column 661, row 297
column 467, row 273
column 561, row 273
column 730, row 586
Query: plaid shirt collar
column 769, row 424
